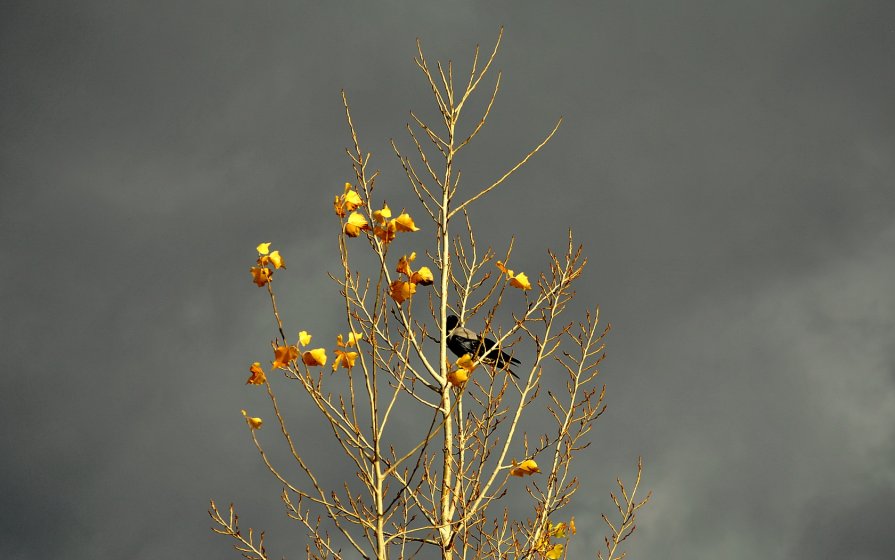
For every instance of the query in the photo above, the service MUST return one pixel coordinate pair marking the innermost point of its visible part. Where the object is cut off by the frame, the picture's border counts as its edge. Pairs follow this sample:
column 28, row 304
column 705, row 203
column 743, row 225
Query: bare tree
column 445, row 488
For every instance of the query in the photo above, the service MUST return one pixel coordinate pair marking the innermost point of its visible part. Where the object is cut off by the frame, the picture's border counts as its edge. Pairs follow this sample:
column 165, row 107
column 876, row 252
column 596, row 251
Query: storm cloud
column 728, row 166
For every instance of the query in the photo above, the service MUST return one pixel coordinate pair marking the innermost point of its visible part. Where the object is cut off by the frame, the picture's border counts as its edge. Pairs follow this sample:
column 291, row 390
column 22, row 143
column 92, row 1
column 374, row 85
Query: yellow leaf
column 355, row 224
column 263, row 248
column 352, row 199
column 466, row 362
column 284, row 355
column 261, row 275
column 348, row 202
column 572, row 528
column 315, row 357
column 304, row 338
column 400, row 290
column 353, row 337
column 516, row 280
column 458, row 377
column 255, row 423
column 386, row 232
column 382, row 215
column 555, row 553
column 277, row 260
column 558, row 530
column 345, row 360
column 258, row 377
column 423, row 276
column 404, row 265
column 405, row 223
column 520, row 281
column 526, row 467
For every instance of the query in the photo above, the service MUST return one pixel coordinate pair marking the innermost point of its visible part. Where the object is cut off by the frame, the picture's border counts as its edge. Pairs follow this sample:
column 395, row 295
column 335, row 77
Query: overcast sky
column 728, row 165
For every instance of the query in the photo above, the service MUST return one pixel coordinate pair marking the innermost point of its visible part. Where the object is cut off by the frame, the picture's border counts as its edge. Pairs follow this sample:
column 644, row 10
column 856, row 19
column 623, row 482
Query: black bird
column 461, row 340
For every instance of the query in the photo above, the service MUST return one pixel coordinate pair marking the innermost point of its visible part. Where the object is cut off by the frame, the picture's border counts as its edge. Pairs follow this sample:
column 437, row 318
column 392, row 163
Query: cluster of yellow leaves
column 422, row 276
column 344, row 358
column 526, row 467
column 255, row 423
column 516, row 280
column 401, row 290
column 262, row 273
column 387, row 227
column 285, row 355
column 554, row 551
column 349, row 202
column 464, row 366
column 315, row 357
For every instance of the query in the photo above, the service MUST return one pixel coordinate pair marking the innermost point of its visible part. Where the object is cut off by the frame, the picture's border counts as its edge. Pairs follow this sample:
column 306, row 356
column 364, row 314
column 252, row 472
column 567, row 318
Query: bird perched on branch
column 461, row 340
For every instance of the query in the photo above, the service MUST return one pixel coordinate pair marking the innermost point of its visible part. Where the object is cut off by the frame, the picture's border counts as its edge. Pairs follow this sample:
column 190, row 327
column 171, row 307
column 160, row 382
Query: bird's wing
column 471, row 342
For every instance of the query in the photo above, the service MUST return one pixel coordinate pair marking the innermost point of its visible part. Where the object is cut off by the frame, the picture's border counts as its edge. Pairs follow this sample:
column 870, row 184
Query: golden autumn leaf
column 516, row 280
column 520, row 281
column 355, row 224
column 526, row 467
column 352, row 199
column 261, row 275
column 343, row 359
column 554, row 553
column 404, row 265
column 386, row 232
column 338, row 208
column 277, row 260
column 304, row 338
column 400, row 290
column 383, row 215
column 348, row 202
column 353, row 337
column 466, row 362
column 258, row 377
column 255, row 423
column 405, row 223
column 263, row 248
column 572, row 528
column 458, row 377
column 315, row 357
column 558, row 530
column 423, row 276
column 284, row 355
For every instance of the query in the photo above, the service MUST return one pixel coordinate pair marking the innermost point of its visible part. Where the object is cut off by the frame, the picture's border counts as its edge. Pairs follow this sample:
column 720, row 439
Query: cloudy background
column 729, row 167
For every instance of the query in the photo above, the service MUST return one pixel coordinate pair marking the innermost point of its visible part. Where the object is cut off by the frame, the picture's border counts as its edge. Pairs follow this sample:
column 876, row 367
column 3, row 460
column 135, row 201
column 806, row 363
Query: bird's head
column 452, row 322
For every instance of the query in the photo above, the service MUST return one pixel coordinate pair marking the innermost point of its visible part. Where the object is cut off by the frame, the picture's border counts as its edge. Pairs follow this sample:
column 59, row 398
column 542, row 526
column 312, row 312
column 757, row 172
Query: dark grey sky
column 729, row 167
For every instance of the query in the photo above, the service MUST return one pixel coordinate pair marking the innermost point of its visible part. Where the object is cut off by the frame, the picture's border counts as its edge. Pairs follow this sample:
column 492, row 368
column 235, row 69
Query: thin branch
column 512, row 170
